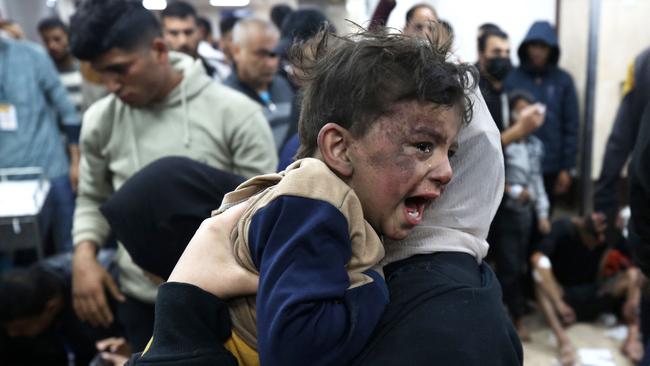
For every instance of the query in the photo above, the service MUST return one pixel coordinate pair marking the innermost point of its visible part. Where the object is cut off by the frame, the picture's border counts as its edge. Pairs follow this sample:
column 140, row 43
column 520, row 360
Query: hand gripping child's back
column 380, row 114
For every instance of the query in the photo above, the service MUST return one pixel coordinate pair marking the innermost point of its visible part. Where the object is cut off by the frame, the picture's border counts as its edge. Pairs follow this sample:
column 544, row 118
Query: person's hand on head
column 89, row 284
column 563, row 182
column 209, row 263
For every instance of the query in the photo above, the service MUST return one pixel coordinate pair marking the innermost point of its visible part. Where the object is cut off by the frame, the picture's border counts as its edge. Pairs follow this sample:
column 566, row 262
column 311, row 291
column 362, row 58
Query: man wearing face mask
column 494, row 65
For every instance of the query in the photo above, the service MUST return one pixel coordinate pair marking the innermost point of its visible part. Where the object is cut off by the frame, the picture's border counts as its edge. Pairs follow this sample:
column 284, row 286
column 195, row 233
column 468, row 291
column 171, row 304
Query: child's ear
column 333, row 144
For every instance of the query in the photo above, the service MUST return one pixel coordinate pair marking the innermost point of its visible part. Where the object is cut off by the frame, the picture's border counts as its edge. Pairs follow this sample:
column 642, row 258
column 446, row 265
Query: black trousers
column 444, row 309
column 136, row 318
column 512, row 234
column 549, row 187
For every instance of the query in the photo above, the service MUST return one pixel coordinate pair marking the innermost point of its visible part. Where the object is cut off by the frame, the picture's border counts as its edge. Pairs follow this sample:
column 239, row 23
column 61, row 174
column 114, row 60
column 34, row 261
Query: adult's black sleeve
column 190, row 329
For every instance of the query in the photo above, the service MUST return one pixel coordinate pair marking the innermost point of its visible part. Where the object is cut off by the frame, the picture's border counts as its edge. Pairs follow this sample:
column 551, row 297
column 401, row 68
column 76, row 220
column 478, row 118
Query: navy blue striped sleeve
column 305, row 313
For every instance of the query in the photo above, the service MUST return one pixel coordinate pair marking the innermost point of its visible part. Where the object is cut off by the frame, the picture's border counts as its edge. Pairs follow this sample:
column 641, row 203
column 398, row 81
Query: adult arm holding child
column 192, row 320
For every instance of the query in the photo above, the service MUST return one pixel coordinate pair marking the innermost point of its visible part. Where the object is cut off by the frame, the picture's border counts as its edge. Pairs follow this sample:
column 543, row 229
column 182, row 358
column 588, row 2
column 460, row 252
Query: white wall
column 27, row 13
column 623, row 35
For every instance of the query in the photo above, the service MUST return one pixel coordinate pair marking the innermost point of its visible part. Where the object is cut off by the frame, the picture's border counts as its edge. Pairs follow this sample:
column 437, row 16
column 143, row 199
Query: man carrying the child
column 373, row 160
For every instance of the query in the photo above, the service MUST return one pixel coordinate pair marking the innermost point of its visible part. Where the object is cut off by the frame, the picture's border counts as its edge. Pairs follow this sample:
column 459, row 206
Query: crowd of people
column 286, row 195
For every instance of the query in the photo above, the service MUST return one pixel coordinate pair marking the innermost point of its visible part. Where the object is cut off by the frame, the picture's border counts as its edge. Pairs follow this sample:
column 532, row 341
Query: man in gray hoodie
column 161, row 104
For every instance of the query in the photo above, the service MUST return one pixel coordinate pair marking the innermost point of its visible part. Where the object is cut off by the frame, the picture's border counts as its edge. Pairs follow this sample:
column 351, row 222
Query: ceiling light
column 229, row 3
column 154, row 4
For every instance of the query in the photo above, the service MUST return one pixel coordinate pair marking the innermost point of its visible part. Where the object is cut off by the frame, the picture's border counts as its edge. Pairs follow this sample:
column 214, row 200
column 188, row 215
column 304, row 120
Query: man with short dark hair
column 256, row 73
column 55, row 38
column 181, row 32
column 494, row 65
column 162, row 104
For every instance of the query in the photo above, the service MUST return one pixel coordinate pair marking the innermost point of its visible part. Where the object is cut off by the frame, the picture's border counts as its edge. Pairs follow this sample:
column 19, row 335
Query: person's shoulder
column 25, row 46
column 26, row 50
column 99, row 115
column 515, row 75
column 312, row 178
column 562, row 75
column 282, row 88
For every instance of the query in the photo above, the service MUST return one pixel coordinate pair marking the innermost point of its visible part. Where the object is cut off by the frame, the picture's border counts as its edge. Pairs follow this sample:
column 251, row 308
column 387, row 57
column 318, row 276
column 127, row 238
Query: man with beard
column 55, row 38
column 181, row 32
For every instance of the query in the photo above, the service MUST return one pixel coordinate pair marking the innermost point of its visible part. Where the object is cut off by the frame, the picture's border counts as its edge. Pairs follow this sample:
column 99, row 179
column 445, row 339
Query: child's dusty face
column 401, row 165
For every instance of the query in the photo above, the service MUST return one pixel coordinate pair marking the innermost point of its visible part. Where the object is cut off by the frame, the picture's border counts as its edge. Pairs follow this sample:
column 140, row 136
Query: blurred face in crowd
column 226, row 45
column 538, row 54
column 138, row 77
column 56, row 43
column 496, row 47
column 182, row 34
column 495, row 59
column 256, row 61
column 421, row 24
column 34, row 325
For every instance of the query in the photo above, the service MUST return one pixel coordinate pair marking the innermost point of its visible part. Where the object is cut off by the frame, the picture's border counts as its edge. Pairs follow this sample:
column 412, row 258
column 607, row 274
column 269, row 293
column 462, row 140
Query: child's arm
column 192, row 321
column 306, row 315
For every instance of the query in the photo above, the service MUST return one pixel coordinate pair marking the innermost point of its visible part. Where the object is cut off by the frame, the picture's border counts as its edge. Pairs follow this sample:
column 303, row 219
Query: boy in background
column 525, row 204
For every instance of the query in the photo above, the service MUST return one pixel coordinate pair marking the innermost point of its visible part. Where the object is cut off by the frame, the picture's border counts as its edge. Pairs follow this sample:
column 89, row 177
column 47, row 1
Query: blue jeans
column 56, row 215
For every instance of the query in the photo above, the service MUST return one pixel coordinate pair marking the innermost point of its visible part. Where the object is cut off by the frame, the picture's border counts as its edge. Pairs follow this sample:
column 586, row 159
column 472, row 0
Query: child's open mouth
column 414, row 209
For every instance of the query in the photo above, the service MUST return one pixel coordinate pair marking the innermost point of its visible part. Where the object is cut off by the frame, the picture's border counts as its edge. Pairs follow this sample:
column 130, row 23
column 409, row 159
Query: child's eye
column 451, row 153
column 424, row 147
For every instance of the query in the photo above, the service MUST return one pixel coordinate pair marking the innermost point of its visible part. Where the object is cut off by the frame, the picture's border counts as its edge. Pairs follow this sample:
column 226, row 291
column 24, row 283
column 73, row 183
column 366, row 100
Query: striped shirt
column 72, row 80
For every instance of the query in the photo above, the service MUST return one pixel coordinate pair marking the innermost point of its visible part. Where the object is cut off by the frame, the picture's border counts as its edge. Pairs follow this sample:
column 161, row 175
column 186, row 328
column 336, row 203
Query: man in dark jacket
column 539, row 74
column 636, row 93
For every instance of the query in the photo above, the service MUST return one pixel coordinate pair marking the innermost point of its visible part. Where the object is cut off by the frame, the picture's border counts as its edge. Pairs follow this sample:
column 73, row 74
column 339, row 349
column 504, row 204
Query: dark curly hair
column 353, row 80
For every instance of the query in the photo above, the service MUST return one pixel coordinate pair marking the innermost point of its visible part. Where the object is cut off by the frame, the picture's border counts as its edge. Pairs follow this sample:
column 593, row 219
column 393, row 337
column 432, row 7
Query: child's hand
column 209, row 263
column 544, row 226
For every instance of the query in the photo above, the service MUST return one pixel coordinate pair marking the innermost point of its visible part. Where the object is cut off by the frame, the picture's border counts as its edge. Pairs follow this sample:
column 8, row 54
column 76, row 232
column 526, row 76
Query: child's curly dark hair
column 353, row 80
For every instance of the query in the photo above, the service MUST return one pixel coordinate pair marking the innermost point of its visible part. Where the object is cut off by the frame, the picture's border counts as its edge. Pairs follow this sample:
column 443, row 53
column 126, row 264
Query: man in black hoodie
column 621, row 141
column 539, row 74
